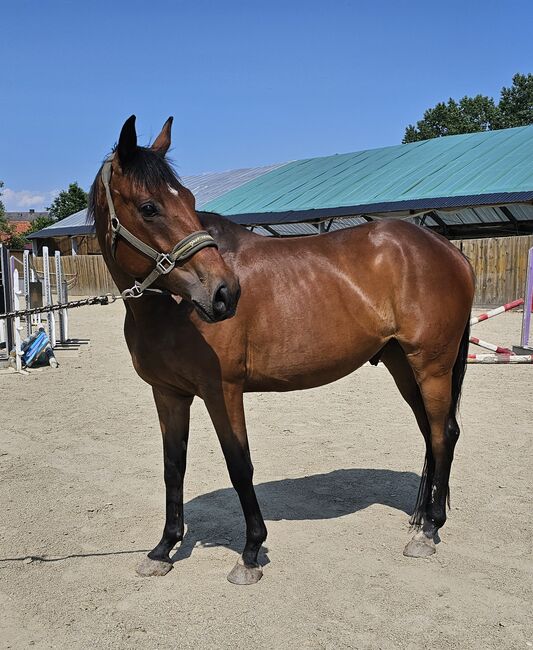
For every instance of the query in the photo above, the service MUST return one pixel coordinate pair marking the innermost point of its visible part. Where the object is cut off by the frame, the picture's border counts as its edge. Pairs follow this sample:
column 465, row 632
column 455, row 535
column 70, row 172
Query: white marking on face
column 172, row 190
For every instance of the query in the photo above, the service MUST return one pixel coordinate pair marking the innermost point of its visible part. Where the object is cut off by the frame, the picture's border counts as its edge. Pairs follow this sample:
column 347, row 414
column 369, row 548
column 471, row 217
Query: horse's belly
column 318, row 363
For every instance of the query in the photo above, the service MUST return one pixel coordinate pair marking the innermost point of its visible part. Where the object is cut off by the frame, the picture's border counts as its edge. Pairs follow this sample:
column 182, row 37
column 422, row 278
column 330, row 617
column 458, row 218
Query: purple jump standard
column 525, row 341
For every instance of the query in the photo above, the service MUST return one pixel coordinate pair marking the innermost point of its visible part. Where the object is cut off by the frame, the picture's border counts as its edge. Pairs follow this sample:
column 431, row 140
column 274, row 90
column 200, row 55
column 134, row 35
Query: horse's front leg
column 173, row 410
column 227, row 413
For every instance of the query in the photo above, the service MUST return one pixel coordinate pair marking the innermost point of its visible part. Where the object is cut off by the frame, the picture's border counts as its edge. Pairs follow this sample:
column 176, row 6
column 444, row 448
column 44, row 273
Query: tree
column 6, row 231
column 2, row 209
column 68, row 202
column 41, row 222
column 516, row 102
column 479, row 113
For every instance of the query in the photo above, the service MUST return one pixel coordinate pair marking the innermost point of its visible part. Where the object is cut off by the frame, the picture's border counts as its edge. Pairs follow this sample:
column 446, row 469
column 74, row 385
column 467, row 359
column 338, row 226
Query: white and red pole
column 496, row 311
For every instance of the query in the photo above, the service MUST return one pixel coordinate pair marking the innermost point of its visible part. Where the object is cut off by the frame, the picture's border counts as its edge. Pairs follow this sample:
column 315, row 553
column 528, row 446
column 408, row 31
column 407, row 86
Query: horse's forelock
column 147, row 169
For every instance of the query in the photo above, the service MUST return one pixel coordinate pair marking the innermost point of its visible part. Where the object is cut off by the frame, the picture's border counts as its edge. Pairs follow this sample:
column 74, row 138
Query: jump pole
column 500, row 358
column 495, row 312
column 490, row 346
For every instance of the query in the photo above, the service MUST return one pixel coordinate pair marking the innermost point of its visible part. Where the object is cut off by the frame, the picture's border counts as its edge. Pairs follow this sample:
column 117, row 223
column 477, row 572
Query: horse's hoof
column 148, row 568
column 420, row 546
column 245, row 575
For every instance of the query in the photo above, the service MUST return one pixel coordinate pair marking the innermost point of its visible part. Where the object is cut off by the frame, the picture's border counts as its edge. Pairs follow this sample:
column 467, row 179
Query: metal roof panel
column 470, row 165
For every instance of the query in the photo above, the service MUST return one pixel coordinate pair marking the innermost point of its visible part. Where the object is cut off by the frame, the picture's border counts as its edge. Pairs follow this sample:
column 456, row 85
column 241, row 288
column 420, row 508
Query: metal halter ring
column 161, row 261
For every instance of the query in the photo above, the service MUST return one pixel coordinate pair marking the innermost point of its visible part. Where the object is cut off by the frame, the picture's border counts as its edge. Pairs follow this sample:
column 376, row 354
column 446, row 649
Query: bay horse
column 387, row 291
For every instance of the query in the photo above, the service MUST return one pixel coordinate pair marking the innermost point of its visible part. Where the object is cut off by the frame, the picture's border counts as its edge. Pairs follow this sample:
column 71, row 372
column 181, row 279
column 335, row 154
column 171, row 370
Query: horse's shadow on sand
column 215, row 518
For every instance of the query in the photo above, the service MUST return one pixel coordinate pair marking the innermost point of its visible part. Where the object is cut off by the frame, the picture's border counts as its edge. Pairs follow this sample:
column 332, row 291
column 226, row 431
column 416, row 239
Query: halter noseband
column 164, row 262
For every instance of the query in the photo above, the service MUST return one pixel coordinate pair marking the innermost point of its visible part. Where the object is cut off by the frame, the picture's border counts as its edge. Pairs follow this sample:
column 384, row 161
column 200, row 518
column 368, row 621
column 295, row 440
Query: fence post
column 48, row 297
column 17, row 327
column 26, row 279
column 7, row 296
column 61, row 298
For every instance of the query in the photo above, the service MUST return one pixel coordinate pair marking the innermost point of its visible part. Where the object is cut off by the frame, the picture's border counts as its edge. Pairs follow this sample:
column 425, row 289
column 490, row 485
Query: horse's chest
column 185, row 357
column 162, row 359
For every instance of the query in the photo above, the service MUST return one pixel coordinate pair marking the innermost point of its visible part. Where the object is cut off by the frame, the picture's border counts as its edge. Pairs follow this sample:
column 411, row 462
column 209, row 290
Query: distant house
column 21, row 221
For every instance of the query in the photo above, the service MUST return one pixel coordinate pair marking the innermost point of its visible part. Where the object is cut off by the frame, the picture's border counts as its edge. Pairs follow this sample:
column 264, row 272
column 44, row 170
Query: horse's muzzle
column 223, row 304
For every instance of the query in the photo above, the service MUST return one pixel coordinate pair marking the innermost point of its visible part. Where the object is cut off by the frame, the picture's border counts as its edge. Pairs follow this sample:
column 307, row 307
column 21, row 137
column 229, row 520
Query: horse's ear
column 162, row 142
column 127, row 142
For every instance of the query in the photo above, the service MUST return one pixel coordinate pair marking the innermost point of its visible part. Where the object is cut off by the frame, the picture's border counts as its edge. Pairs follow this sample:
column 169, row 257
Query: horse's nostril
column 222, row 294
column 221, row 300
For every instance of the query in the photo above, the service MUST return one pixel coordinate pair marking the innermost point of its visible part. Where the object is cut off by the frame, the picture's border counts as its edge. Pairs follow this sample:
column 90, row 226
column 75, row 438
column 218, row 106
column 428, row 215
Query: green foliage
column 17, row 241
column 516, row 102
column 41, row 222
column 8, row 235
column 479, row 113
column 2, row 209
column 68, row 202
column 6, row 231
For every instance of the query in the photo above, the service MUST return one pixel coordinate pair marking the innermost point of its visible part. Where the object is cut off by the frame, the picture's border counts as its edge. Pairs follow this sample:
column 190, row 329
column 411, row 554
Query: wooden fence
column 87, row 275
column 499, row 263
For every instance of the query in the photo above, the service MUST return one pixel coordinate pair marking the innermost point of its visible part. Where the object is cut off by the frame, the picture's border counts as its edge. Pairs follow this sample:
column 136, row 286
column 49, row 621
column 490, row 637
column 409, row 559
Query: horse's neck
column 227, row 234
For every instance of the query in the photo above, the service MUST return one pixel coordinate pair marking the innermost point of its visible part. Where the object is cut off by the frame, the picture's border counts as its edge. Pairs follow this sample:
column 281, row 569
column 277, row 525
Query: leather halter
column 164, row 262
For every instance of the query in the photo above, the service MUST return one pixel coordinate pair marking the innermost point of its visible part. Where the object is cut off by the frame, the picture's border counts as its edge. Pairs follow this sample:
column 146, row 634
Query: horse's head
column 152, row 231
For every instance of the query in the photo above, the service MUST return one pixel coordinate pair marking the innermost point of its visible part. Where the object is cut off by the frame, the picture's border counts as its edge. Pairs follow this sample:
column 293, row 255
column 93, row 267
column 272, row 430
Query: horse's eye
column 148, row 210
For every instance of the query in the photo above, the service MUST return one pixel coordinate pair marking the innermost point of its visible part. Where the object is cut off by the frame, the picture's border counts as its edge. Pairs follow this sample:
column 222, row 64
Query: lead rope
column 106, row 299
column 164, row 262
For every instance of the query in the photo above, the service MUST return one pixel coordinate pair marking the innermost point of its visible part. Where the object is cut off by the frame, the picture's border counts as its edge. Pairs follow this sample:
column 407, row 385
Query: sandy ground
column 337, row 470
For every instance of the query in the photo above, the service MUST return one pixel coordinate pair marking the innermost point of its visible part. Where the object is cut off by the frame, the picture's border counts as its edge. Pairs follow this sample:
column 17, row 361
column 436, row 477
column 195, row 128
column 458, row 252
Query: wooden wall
column 500, row 265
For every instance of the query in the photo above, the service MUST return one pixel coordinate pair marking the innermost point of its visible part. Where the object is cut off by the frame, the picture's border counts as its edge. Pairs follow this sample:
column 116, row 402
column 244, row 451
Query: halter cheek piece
column 164, row 262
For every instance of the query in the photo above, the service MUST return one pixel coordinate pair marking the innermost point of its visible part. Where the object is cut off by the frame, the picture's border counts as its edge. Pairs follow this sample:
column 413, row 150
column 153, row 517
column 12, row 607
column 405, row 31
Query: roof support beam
column 510, row 216
column 270, row 230
column 438, row 220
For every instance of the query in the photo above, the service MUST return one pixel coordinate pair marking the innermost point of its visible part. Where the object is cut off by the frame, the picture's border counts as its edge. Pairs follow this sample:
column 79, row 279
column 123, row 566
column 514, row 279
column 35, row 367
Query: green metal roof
column 461, row 170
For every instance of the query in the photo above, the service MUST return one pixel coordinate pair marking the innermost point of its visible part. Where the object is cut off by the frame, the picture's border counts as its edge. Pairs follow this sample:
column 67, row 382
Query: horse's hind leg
column 396, row 362
column 173, row 411
column 440, row 404
column 437, row 395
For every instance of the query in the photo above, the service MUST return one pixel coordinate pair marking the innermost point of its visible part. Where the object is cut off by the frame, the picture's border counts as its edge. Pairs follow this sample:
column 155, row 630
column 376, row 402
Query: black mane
column 146, row 168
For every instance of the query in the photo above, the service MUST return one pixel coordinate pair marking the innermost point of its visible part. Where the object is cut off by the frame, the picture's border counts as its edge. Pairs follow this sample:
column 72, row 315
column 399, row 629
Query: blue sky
column 249, row 83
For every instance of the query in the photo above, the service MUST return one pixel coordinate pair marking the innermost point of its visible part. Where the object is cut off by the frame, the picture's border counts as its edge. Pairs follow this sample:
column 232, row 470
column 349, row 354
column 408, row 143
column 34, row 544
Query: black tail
column 459, row 369
column 452, row 430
